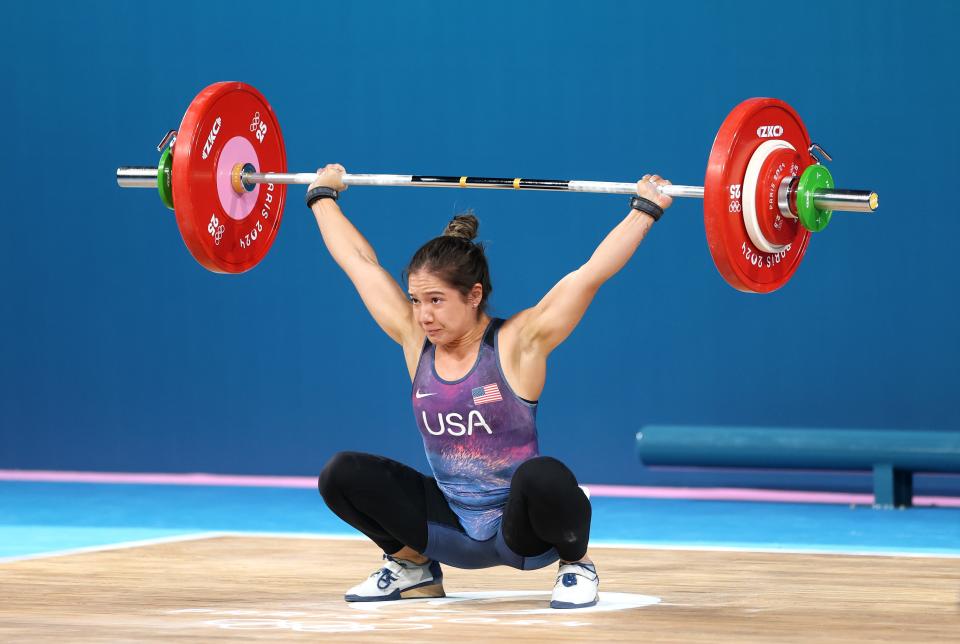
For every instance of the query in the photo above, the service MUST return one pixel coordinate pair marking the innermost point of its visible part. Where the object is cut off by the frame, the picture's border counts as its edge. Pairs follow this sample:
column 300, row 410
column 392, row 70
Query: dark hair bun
column 464, row 225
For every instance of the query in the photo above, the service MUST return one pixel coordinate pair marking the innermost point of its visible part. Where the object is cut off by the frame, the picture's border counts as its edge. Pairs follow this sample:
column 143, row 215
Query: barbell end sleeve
column 137, row 177
column 846, row 200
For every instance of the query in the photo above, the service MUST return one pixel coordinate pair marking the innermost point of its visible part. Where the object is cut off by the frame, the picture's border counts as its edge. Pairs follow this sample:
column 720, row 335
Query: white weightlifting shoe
column 399, row 579
column 576, row 586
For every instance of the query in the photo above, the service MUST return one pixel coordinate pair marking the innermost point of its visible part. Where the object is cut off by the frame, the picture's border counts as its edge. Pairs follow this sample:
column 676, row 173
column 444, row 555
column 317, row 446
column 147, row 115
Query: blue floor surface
column 46, row 517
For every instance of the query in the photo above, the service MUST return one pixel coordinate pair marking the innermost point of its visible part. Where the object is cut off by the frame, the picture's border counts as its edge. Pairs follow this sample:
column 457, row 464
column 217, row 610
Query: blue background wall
column 121, row 353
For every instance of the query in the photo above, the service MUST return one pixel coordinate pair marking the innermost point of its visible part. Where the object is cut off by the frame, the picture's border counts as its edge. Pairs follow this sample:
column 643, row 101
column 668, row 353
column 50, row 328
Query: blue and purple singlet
column 476, row 433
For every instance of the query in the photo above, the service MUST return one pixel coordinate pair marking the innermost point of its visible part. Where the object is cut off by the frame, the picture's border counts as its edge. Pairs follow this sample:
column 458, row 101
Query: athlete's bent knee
column 543, row 475
column 336, row 473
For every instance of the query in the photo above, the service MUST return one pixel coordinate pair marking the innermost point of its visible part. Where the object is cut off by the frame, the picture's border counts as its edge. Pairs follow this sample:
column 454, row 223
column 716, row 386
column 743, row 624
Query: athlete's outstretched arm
column 556, row 316
column 380, row 293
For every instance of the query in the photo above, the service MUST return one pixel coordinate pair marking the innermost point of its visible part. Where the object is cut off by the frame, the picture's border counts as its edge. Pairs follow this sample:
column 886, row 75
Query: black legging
column 391, row 503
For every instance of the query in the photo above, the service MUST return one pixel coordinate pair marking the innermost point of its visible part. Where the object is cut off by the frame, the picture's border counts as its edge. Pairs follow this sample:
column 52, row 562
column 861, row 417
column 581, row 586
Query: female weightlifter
column 492, row 499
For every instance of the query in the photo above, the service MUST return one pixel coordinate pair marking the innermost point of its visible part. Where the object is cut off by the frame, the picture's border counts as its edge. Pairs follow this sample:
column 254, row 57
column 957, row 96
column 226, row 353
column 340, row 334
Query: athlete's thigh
column 387, row 489
column 518, row 532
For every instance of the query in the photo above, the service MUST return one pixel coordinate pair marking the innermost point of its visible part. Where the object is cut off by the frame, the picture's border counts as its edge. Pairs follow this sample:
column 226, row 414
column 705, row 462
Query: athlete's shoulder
column 517, row 320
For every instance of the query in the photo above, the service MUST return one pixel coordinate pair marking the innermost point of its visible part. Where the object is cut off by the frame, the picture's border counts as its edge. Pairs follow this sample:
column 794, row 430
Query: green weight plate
column 815, row 177
column 165, row 178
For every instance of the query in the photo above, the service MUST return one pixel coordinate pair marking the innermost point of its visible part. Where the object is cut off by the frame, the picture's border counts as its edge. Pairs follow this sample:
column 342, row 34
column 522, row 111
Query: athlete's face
column 441, row 311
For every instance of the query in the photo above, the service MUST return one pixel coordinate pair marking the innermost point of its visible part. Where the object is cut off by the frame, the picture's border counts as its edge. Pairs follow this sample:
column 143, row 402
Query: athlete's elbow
column 353, row 258
column 592, row 275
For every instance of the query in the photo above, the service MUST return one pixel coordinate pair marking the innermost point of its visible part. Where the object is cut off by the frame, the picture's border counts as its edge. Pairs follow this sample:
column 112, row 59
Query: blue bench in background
column 893, row 455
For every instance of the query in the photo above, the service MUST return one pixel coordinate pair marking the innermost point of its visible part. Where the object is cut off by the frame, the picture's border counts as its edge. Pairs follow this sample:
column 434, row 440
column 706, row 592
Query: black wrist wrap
column 321, row 192
column 647, row 206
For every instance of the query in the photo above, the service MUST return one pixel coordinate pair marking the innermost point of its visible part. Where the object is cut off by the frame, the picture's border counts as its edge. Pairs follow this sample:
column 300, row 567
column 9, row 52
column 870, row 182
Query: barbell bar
column 843, row 200
column 764, row 190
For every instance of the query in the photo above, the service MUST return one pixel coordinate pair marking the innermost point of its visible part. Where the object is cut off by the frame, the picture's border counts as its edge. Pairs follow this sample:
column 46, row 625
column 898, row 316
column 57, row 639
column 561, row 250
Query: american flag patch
column 486, row 394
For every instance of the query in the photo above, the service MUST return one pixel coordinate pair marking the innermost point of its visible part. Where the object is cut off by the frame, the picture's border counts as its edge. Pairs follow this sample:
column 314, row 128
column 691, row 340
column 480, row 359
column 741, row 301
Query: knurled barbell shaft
column 490, row 183
column 146, row 177
column 843, row 200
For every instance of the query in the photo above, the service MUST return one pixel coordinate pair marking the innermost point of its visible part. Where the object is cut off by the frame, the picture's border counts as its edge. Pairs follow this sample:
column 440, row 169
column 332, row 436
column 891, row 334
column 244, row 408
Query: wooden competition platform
column 268, row 589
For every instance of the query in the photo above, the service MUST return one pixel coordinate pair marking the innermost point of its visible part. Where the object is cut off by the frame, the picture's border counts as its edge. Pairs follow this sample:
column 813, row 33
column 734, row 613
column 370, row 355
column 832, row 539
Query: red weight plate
column 227, row 123
column 742, row 264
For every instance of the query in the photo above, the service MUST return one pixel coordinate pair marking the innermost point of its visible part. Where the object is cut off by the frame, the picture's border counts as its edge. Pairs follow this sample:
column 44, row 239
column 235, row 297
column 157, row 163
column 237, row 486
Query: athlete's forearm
column 618, row 246
column 342, row 238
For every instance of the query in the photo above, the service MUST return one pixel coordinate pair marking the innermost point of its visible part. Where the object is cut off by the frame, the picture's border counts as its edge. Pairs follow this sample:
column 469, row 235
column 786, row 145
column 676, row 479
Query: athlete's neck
column 466, row 345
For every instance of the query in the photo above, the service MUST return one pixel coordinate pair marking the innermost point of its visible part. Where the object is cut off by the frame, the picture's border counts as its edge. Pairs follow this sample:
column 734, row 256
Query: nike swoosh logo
column 420, row 395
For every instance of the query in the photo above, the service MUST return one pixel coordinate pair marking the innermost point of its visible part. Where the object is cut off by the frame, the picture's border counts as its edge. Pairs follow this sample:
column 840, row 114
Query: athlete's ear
column 475, row 295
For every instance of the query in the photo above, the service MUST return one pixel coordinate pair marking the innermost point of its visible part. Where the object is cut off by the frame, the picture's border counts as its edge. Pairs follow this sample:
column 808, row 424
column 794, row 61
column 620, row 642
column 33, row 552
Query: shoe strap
column 587, row 571
column 405, row 563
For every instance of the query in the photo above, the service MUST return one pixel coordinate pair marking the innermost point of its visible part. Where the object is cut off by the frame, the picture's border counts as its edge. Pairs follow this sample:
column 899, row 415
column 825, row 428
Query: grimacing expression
column 440, row 309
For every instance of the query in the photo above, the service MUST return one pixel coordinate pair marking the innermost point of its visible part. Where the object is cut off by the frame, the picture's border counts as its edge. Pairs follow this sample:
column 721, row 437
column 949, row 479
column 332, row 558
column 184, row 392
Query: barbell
column 223, row 173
